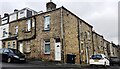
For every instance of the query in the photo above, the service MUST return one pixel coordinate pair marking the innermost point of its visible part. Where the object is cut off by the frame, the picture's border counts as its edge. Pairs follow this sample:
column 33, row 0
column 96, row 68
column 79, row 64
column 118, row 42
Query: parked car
column 99, row 59
column 11, row 55
column 114, row 60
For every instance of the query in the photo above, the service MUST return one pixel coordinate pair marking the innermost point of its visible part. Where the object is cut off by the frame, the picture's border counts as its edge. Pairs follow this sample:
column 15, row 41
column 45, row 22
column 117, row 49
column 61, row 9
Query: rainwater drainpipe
column 62, row 35
column 79, row 21
column 93, row 44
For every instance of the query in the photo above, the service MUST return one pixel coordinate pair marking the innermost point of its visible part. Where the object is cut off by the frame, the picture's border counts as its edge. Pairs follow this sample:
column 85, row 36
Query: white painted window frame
column 46, row 42
column 47, row 22
column 29, row 25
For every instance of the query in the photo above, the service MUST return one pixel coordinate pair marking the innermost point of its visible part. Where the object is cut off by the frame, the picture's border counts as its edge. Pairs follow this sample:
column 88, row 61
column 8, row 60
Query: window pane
column 16, row 29
column 47, row 47
column 28, row 46
column 8, row 44
column 13, row 45
column 33, row 22
column 29, row 25
column 4, row 20
column 4, row 32
column 88, row 35
column 47, row 23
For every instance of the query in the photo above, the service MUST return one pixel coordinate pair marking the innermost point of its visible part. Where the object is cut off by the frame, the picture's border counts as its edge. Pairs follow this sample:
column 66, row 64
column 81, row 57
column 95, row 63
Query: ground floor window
column 3, row 44
column 27, row 46
column 8, row 44
column 13, row 45
column 47, row 47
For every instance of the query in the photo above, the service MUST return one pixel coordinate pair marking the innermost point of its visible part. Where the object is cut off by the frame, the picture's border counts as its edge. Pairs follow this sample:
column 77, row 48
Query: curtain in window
column 47, row 23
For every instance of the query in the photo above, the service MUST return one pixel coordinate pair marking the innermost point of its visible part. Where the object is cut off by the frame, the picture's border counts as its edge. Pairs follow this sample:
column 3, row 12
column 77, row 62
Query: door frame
column 58, row 51
column 21, row 47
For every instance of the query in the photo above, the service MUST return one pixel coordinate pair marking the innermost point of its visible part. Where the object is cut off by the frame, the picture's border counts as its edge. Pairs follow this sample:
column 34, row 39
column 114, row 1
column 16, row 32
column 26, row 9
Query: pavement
column 50, row 65
column 54, row 64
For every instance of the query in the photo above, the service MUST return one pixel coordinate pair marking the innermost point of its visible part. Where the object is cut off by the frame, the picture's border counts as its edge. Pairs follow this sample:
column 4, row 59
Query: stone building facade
column 53, row 34
column 106, row 45
column 98, row 43
column 53, row 42
column 86, row 45
column 114, row 50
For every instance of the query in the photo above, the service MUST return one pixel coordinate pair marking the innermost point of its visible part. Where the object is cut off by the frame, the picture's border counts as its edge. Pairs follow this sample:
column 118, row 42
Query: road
column 46, row 65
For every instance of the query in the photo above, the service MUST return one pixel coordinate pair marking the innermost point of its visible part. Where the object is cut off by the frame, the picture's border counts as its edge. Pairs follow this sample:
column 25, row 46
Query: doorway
column 21, row 47
column 57, row 50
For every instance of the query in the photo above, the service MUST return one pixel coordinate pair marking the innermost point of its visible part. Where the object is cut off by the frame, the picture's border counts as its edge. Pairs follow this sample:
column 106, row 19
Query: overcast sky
column 101, row 14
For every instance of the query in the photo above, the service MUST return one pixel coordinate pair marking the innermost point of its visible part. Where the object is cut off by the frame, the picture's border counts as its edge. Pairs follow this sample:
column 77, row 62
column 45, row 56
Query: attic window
column 21, row 12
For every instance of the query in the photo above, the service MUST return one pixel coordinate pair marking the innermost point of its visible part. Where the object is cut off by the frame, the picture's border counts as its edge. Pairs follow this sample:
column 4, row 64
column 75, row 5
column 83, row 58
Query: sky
column 101, row 14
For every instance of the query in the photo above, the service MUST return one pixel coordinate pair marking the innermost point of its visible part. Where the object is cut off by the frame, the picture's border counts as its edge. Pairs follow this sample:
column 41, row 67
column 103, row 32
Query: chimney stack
column 6, row 14
column 16, row 10
column 50, row 6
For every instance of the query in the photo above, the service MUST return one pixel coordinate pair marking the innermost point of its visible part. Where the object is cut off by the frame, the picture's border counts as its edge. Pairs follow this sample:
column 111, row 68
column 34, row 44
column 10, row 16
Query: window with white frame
column 29, row 25
column 8, row 44
column 28, row 46
column 16, row 30
column 47, row 47
column 13, row 17
column 47, row 23
column 22, row 14
column 4, row 32
column 33, row 22
column 13, row 45
column 4, row 20
column 88, row 35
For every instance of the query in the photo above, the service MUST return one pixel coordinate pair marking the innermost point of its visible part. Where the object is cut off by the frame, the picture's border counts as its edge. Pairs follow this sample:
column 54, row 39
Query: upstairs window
column 88, row 33
column 4, row 32
column 33, row 22
column 47, row 47
column 16, row 30
column 47, row 23
column 85, row 34
column 21, row 14
column 4, row 20
column 13, row 17
column 29, row 25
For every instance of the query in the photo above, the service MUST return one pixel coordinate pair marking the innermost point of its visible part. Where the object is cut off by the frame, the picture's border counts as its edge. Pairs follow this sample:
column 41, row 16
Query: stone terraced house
column 52, row 35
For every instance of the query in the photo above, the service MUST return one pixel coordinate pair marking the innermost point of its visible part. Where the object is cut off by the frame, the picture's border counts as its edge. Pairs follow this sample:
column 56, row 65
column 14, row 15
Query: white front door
column 21, row 47
column 57, row 51
column 87, row 55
